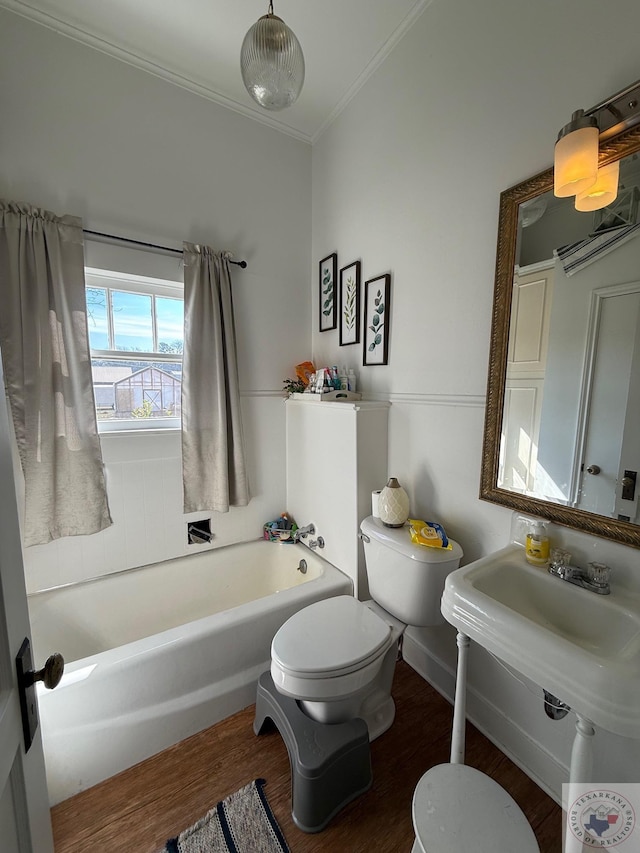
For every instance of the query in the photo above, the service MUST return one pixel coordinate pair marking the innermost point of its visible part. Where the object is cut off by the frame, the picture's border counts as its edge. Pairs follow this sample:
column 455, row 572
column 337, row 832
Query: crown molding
column 137, row 60
column 373, row 65
column 151, row 66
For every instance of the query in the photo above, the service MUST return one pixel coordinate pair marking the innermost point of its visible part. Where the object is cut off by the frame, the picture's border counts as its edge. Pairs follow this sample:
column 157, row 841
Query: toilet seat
column 338, row 640
column 329, row 638
column 456, row 808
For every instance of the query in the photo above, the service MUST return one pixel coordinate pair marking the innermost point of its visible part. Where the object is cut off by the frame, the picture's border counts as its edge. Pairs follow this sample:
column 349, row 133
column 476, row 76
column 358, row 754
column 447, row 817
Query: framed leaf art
column 327, row 292
column 377, row 301
column 350, row 304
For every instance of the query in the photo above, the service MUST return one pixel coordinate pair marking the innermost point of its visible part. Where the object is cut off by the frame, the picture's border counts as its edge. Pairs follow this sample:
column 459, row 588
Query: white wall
column 136, row 156
column 408, row 179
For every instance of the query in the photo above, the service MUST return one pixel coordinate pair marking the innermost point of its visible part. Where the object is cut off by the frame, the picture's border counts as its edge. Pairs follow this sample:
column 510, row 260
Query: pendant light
column 272, row 63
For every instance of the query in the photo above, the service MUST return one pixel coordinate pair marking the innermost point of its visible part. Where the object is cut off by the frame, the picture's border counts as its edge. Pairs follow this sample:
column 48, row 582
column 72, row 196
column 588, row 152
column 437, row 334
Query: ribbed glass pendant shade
column 272, row 63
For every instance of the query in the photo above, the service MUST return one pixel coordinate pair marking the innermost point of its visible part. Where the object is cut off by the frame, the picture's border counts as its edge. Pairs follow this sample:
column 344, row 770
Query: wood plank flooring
column 137, row 810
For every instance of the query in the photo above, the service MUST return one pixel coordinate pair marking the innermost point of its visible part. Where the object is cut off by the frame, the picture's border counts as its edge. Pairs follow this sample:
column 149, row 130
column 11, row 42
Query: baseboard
column 529, row 755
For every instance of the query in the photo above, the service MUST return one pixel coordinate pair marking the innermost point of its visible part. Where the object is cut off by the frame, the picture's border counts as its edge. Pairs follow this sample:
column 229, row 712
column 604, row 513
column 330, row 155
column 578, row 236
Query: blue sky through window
column 170, row 322
column 133, row 321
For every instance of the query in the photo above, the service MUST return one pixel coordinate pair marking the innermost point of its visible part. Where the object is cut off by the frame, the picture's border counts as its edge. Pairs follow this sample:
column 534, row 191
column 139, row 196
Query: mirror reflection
column 570, row 426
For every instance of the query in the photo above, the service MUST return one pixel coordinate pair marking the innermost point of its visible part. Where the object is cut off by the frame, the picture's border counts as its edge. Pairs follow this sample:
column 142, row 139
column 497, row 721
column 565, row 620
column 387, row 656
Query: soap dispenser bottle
column 537, row 545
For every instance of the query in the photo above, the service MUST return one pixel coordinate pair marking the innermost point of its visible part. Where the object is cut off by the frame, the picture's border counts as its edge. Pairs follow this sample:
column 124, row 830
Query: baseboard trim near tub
column 528, row 754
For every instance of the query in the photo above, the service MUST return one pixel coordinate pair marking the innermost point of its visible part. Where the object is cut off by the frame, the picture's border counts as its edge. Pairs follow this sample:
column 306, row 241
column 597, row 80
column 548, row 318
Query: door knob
column 50, row 674
column 593, row 469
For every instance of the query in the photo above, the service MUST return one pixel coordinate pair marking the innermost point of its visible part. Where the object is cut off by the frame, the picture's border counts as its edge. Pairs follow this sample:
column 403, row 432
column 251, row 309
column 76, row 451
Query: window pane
column 132, row 325
column 170, row 324
column 97, row 318
column 136, row 390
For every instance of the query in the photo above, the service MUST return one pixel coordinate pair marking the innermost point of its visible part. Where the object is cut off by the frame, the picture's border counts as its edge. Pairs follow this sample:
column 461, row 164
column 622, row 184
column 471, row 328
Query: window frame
column 134, row 284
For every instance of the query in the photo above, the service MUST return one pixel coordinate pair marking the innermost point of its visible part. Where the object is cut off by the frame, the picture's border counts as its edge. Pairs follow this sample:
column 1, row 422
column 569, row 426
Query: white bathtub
column 158, row 653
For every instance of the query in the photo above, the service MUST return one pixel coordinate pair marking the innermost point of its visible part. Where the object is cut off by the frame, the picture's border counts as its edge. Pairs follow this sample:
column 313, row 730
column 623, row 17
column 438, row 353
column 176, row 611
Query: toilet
column 337, row 657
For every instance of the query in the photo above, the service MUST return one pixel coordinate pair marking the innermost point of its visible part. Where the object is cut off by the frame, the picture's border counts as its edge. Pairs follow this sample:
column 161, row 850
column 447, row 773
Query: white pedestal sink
column 582, row 647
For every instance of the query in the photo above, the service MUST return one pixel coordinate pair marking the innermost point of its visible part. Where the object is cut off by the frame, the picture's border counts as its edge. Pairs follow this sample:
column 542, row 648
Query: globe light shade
column 603, row 192
column 576, row 156
column 272, row 63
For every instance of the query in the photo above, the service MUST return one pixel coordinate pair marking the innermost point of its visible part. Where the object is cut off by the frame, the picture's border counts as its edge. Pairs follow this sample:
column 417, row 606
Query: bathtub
column 155, row 654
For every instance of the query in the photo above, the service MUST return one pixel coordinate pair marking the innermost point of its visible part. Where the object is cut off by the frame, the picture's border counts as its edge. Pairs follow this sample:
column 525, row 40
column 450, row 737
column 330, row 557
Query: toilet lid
column 456, row 808
column 334, row 636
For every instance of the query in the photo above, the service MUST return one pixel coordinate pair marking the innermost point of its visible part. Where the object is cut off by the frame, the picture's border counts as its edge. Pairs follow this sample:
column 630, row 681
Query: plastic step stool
column 330, row 763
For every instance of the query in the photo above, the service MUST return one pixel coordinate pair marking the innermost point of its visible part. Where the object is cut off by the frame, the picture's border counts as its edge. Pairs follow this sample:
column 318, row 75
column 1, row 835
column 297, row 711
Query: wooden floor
column 140, row 808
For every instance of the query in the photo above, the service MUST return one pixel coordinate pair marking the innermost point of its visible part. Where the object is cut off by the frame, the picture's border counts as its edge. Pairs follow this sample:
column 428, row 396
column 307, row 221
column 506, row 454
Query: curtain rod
column 241, row 264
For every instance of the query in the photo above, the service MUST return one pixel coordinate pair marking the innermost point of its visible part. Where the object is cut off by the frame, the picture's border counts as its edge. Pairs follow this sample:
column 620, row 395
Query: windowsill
column 161, row 426
column 127, row 433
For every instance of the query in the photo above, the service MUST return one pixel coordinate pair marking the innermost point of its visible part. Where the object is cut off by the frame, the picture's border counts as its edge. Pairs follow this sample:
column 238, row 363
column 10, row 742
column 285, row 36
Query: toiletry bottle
column 351, row 378
column 344, row 379
column 537, row 545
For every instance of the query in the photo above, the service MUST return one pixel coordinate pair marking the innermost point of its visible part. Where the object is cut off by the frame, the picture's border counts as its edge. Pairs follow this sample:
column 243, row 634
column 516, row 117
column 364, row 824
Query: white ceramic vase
column 393, row 504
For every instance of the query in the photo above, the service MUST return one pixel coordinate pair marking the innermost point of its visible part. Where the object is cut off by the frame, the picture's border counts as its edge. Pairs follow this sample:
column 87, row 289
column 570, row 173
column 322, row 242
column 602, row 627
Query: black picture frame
column 327, row 277
column 350, row 304
column 377, row 310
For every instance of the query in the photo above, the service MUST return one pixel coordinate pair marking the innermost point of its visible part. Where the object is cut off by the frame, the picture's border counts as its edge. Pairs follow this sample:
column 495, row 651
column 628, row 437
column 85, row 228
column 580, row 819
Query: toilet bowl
column 456, row 808
column 337, row 657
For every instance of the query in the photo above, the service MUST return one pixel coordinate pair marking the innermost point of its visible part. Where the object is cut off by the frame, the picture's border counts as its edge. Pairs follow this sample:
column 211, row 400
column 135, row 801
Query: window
column 136, row 339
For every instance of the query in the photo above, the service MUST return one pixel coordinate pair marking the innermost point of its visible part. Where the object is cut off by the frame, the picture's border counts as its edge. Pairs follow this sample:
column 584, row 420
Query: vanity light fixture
column 603, row 192
column 272, row 63
column 576, row 169
column 576, row 156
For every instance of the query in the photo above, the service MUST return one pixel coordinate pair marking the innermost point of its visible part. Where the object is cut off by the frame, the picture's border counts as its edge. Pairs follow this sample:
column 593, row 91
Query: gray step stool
column 330, row 763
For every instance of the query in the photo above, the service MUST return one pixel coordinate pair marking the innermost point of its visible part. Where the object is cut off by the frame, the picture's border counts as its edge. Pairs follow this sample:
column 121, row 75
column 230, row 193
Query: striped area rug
column 242, row 823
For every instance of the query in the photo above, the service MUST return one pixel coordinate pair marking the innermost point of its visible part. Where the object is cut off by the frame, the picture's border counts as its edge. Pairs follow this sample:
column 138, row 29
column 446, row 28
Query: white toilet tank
column 406, row 579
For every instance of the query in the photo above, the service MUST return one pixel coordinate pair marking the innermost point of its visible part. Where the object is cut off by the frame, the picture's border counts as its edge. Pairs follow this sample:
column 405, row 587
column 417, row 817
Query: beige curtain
column 214, row 471
column 45, row 354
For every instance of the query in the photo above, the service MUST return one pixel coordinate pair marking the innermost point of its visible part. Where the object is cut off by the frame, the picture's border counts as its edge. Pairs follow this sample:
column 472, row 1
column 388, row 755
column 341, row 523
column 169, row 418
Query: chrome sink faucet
column 595, row 578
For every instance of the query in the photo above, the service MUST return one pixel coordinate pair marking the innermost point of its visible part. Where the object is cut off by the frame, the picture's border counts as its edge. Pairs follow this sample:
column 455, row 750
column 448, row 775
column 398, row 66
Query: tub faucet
column 303, row 532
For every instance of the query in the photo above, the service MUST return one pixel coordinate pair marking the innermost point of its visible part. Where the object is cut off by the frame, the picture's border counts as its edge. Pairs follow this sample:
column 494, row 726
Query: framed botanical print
column 327, row 292
column 377, row 297
column 350, row 304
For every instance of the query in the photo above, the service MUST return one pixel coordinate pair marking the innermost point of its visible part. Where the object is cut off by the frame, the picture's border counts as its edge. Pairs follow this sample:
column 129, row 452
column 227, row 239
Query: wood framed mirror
column 562, row 422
